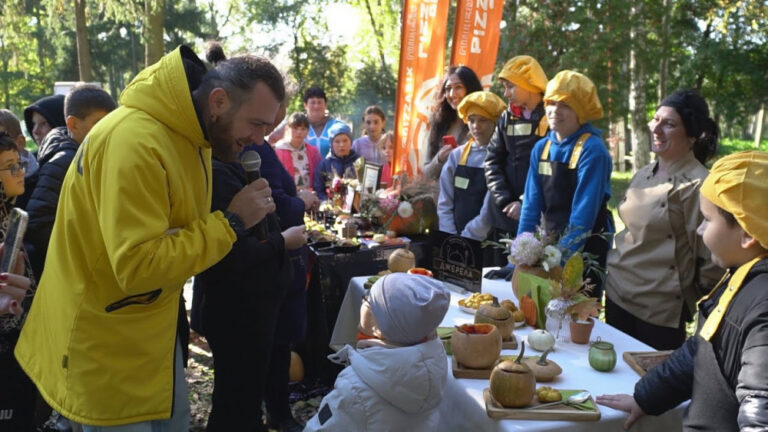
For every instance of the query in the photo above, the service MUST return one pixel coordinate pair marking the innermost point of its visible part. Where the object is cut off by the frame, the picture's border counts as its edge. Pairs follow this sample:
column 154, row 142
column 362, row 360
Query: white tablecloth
column 463, row 399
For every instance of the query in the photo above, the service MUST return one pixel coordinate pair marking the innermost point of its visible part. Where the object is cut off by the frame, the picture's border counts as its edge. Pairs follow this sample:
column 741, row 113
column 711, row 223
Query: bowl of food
column 420, row 271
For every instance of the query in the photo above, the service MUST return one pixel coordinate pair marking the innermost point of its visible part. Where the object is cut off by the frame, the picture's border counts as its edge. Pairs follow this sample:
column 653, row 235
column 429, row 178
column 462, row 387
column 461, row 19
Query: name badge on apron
column 519, row 129
column 460, row 182
column 545, row 168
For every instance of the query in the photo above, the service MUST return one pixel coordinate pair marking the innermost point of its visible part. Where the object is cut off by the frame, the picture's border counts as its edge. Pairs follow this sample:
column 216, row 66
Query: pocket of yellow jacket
column 136, row 299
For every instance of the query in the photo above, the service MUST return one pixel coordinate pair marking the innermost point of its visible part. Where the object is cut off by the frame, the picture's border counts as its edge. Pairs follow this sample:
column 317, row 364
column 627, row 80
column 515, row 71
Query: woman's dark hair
column 314, row 92
column 444, row 114
column 6, row 142
column 694, row 112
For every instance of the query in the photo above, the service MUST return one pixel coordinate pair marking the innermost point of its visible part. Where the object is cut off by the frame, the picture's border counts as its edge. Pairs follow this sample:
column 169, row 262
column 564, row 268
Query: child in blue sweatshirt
column 569, row 179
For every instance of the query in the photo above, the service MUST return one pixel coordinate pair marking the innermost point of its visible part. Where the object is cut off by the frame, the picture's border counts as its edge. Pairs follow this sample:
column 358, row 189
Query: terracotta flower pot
column 580, row 331
column 536, row 271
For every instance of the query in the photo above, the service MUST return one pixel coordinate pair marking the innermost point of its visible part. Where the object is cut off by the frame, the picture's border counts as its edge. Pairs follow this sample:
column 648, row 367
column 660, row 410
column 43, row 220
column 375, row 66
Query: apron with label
column 469, row 190
column 714, row 406
column 559, row 181
column 520, row 136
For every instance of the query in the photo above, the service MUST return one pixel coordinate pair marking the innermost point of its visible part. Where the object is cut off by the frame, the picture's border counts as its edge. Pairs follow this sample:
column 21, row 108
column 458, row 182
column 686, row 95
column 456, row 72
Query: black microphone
column 251, row 163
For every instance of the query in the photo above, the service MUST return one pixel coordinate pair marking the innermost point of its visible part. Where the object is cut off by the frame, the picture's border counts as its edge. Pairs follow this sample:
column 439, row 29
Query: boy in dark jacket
column 509, row 152
column 340, row 161
column 84, row 106
column 721, row 369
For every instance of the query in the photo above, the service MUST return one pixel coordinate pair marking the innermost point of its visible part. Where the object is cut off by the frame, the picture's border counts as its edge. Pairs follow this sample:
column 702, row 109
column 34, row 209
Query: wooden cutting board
column 459, row 371
column 554, row 412
column 642, row 361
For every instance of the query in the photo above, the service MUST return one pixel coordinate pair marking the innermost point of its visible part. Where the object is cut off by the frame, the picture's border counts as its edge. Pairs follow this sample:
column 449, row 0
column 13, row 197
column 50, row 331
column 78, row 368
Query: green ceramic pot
column 602, row 356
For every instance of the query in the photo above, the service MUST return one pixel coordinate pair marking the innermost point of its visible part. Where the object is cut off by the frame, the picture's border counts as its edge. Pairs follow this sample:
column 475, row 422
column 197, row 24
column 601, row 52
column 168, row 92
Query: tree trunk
column 153, row 31
column 6, row 81
column 637, row 90
column 759, row 126
column 214, row 30
column 664, row 57
column 83, row 45
column 134, row 57
column 377, row 35
column 704, row 40
column 41, row 43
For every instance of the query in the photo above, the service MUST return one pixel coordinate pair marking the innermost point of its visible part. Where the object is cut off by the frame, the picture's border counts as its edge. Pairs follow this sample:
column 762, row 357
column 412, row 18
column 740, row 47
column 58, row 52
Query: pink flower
column 389, row 204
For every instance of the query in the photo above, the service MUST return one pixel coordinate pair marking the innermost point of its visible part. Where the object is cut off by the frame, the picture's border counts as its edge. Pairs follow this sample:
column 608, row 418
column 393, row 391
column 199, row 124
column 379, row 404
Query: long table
column 462, row 407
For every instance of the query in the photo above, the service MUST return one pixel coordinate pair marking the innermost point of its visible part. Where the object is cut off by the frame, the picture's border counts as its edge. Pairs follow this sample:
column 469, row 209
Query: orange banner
column 422, row 54
column 476, row 36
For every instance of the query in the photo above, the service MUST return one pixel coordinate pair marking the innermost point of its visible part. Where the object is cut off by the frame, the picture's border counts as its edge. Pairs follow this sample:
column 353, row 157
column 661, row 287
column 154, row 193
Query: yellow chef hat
column 524, row 71
column 737, row 184
column 482, row 103
column 578, row 92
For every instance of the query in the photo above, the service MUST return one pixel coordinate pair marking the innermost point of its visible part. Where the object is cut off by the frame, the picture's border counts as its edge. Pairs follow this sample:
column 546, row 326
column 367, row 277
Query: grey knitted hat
column 408, row 308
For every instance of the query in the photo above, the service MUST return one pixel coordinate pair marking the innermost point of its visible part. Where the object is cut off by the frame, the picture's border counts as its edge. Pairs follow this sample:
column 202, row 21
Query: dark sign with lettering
column 458, row 260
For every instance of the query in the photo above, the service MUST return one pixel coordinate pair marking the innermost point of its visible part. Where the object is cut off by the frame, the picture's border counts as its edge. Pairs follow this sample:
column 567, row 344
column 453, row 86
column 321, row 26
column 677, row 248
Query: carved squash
column 497, row 315
column 476, row 346
column 528, row 306
column 512, row 383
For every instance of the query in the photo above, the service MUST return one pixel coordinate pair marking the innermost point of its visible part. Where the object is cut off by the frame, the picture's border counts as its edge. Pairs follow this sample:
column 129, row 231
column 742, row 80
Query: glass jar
column 558, row 320
column 602, row 356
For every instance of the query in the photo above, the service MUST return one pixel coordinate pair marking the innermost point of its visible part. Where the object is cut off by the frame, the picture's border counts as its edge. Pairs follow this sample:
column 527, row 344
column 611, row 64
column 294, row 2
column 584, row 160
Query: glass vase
column 558, row 319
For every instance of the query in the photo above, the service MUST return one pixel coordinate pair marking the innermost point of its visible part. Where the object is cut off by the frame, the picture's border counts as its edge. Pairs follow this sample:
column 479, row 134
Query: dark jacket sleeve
column 670, row 383
column 495, row 163
column 249, row 256
column 290, row 208
column 42, row 205
column 752, row 386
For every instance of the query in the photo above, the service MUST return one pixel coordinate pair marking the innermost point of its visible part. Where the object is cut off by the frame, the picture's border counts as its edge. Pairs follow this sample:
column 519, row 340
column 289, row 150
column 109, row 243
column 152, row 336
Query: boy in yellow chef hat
column 721, row 369
column 521, row 125
column 463, row 188
column 569, row 180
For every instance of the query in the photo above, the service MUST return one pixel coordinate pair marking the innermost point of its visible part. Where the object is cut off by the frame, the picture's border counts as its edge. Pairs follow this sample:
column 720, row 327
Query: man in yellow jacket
column 132, row 225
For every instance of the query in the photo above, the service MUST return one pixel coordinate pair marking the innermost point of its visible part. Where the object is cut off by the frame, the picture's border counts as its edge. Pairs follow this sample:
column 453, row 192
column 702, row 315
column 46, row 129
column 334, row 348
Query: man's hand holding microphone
column 254, row 202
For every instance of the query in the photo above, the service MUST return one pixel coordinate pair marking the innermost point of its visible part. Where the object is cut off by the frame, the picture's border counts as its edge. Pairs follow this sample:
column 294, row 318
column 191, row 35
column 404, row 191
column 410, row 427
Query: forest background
column 635, row 51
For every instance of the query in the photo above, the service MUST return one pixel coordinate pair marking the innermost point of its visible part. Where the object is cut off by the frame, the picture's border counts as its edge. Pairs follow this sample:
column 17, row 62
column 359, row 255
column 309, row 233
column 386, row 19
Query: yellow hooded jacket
column 133, row 223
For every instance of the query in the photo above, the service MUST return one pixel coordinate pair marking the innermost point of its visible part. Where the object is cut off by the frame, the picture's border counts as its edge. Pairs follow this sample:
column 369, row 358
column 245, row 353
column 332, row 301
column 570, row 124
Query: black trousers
column 660, row 338
column 241, row 336
column 18, row 396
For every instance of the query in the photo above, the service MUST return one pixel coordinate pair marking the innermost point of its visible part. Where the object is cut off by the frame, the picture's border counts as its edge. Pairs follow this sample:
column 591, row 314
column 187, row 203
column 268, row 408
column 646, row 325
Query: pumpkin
column 544, row 370
column 522, row 268
column 476, row 346
column 296, row 370
column 509, row 304
column 497, row 315
column 548, row 394
column 401, row 260
column 518, row 316
column 528, row 306
column 541, row 340
column 512, row 383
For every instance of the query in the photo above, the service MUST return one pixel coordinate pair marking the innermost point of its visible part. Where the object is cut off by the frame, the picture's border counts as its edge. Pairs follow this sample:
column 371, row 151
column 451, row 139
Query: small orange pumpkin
column 528, row 306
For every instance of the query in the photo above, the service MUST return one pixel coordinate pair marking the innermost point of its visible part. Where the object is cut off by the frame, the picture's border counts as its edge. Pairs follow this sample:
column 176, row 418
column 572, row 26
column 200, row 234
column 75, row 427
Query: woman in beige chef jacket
column 659, row 266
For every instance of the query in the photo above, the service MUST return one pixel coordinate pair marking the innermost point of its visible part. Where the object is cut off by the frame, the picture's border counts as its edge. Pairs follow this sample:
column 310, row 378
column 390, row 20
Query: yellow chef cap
column 578, row 92
column 524, row 71
column 738, row 184
column 482, row 103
